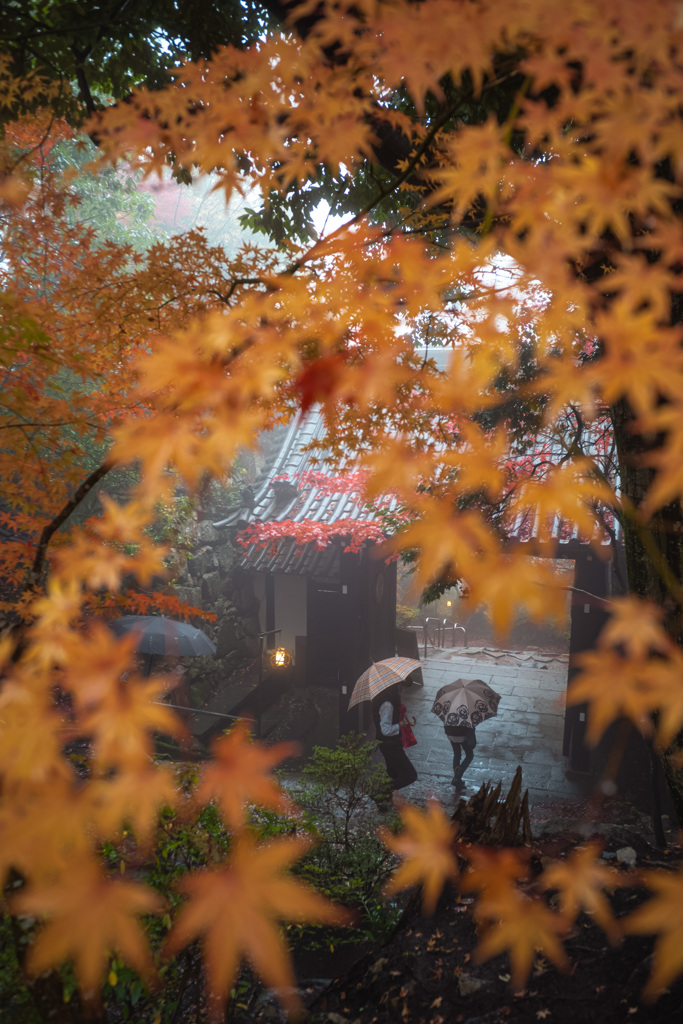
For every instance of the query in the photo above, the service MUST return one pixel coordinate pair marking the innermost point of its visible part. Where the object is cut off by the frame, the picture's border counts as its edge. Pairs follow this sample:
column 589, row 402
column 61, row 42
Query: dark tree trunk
column 654, row 553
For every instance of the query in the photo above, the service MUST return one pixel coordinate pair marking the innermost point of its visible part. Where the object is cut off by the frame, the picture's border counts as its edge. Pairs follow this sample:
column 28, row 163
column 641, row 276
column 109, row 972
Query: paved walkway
column 527, row 730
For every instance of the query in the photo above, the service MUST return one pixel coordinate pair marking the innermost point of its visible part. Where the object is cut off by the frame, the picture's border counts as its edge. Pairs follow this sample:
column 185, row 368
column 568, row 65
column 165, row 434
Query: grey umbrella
column 159, row 635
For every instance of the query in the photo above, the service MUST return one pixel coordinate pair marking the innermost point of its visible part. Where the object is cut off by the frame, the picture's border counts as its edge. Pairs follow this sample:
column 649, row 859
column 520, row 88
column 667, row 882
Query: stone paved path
column 527, row 730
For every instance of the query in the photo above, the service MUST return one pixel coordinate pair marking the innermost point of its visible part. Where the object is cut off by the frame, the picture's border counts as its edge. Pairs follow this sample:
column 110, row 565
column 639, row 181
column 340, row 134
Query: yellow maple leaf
column 240, row 774
column 666, row 458
column 478, row 460
column 58, row 608
column 237, row 910
column 661, row 916
column 665, row 677
column 642, row 360
column 426, row 849
column 581, row 880
column 88, row 917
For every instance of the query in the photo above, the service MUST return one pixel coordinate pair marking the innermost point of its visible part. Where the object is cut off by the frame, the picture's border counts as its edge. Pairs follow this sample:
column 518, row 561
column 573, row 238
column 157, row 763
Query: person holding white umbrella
column 379, row 685
column 386, row 717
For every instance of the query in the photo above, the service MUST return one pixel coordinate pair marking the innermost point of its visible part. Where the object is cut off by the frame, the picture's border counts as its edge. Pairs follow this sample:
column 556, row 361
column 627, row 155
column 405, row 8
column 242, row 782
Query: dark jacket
column 458, row 730
column 392, row 695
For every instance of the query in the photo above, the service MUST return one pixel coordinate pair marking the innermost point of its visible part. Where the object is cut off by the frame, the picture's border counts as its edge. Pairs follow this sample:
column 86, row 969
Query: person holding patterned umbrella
column 461, row 706
column 462, row 738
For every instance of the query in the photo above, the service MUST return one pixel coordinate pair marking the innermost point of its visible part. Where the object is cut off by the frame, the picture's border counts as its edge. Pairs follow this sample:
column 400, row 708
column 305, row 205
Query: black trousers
column 400, row 768
column 467, row 746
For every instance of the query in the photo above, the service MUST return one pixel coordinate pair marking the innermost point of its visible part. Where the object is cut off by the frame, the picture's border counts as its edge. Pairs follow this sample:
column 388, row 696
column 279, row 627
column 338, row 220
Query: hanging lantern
column 280, row 658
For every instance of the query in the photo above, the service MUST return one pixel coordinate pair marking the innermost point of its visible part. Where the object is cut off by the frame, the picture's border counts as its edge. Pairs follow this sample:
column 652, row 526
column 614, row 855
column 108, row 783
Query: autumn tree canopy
column 539, row 139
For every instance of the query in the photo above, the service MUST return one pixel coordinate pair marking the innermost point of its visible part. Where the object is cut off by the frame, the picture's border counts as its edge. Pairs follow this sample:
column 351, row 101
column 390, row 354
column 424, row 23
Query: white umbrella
column 380, row 676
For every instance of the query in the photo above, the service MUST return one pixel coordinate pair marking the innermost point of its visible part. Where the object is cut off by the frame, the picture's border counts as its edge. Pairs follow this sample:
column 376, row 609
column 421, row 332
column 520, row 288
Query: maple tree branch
column 34, row 447
column 34, row 149
column 384, row 192
column 57, row 521
column 80, row 57
column 225, row 297
column 42, row 425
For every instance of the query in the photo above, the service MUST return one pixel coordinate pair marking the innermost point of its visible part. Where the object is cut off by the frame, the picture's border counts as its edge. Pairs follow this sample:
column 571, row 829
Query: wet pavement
column 527, row 730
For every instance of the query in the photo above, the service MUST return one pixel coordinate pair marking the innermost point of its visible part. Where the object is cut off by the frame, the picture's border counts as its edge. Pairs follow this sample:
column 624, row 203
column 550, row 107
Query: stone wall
column 207, row 578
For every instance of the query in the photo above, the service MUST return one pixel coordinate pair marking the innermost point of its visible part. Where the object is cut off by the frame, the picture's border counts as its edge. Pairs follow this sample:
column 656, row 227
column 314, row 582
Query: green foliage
column 107, row 48
column 341, row 779
column 348, row 864
column 110, row 202
column 407, row 616
column 340, row 788
column 173, row 522
column 16, row 1005
column 284, row 218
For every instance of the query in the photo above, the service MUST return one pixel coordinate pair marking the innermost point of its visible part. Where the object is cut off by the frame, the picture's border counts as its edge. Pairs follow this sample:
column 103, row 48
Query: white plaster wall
column 260, row 592
column 290, row 610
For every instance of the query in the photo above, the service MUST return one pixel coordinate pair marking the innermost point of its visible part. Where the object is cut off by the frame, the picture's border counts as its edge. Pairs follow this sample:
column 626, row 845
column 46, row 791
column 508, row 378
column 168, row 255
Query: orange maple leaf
column 569, row 491
column 31, row 733
column 88, row 917
column 581, row 880
column 645, row 685
column 134, row 797
column 96, row 661
column 43, row 828
column 492, row 872
column 123, row 721
column 662, row 916
column 237, row 908
column 518, row 580
column 509, row 919
column 637, row 624
column 319, row 380
column 240, row 774
column 426, row 848
column 523, row 927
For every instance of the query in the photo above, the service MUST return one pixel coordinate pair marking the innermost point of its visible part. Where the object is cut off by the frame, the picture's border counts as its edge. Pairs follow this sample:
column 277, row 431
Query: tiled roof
column 290, row 491
column 598, row 444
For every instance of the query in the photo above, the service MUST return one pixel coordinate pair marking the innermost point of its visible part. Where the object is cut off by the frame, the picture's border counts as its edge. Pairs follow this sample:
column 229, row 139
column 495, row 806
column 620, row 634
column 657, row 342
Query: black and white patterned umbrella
column 466, row 702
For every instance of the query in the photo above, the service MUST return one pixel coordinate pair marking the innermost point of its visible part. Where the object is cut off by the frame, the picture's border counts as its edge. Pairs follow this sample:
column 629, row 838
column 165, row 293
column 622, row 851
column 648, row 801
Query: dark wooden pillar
column 588, row 616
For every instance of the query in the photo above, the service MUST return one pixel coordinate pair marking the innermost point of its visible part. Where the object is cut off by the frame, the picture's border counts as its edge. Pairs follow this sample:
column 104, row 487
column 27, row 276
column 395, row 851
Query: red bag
column 407, row 736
